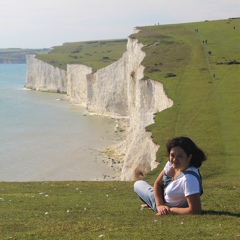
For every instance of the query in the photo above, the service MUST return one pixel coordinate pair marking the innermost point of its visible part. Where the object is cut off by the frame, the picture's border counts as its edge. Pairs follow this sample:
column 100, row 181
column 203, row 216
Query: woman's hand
column 162, row 210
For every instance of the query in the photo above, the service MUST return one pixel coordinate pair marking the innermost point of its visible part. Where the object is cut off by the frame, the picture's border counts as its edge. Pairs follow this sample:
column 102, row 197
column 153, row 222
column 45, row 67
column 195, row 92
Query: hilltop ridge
column 17, row 55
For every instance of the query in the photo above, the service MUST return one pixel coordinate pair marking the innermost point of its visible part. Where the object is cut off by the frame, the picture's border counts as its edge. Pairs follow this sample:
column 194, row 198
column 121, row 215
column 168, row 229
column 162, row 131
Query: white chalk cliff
column 45, row 77
column 117, row 90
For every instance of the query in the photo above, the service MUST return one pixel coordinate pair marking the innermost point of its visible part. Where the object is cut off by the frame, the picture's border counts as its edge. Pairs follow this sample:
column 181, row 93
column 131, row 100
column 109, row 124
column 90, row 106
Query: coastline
column 53, row 140
column 113, row 154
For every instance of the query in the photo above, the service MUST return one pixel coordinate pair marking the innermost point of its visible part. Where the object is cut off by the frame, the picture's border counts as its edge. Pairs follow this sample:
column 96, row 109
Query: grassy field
column 95, row 54
column 206, row 108
column 205, row 90
column 91, row 210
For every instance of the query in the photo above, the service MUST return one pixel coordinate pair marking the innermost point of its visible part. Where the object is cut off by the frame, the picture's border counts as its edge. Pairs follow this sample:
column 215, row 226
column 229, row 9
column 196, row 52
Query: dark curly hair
column 198, row 156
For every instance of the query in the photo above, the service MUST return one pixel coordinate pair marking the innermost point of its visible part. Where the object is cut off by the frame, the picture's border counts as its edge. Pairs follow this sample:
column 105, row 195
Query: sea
column 45, row 138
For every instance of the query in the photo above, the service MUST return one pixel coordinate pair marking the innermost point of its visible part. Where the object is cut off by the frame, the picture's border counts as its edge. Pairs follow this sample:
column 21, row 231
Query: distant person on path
column 178, row 188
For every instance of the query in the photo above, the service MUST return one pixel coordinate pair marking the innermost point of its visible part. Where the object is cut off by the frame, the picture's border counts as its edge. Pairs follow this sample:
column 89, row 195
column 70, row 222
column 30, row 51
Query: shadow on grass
column 223, row 213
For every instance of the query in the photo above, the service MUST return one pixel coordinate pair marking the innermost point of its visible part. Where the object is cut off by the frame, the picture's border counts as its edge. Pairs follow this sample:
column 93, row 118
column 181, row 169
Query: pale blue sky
column 47, row 23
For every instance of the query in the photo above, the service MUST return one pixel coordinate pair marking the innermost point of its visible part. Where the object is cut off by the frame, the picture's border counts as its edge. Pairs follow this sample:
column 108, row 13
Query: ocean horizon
column 45, row 138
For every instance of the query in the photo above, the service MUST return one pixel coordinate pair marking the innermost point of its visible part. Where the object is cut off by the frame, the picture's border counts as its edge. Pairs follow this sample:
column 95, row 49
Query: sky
column 48, row 23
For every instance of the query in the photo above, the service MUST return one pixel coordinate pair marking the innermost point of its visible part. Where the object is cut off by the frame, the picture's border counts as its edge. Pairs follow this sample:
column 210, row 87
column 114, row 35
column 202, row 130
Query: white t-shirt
column 177, row 191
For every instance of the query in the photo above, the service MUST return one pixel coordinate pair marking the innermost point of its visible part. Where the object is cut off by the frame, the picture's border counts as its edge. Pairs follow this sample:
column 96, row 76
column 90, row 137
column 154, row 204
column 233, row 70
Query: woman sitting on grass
column 178, row 188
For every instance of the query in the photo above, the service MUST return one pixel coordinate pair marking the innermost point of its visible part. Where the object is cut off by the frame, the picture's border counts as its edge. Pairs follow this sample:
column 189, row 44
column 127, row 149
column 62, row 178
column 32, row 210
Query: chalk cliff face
column 44, row 77
column 77, row 83
column 117, row 90
column 145, row 97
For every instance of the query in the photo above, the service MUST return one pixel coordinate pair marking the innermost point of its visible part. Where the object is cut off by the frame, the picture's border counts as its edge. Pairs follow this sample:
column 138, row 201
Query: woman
column 178, row 188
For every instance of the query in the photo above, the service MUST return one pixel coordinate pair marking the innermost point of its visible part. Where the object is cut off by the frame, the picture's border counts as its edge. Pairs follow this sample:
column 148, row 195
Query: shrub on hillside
column 170, row 75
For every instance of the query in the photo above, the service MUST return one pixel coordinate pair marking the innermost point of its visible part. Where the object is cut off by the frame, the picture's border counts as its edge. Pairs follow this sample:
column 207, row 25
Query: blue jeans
column 146, row 193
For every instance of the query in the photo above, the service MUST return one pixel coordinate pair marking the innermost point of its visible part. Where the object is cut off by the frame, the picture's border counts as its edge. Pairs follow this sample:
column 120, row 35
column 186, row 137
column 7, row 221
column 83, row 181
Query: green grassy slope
column 205, row 89
column 95, row 54
column 205, row 108
column 88, row 210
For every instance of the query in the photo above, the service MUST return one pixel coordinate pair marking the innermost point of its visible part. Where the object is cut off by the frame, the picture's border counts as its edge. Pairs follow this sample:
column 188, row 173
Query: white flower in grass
column 42, row 193
column 101, row 236
column 46, row 213
column 68, row 211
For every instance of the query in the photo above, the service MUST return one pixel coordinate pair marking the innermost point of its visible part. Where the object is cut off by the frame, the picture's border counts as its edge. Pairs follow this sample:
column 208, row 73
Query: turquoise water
column 44, row 138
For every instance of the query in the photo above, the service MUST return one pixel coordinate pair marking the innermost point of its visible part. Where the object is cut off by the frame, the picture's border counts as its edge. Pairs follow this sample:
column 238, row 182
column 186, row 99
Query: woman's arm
column 158, row 193
column 194, row 206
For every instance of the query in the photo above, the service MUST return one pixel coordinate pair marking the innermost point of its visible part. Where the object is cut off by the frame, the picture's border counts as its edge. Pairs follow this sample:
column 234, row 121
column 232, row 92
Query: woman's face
column 179, row 159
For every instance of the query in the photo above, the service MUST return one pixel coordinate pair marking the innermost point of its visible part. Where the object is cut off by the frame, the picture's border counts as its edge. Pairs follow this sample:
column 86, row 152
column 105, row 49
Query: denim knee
column 138, row 185
column 146, row 193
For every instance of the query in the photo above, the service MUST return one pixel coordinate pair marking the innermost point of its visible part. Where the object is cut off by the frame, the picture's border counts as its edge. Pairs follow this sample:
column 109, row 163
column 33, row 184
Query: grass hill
column 202, row 78
column 95, row 54
column 205, row 57
column 18, row 55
